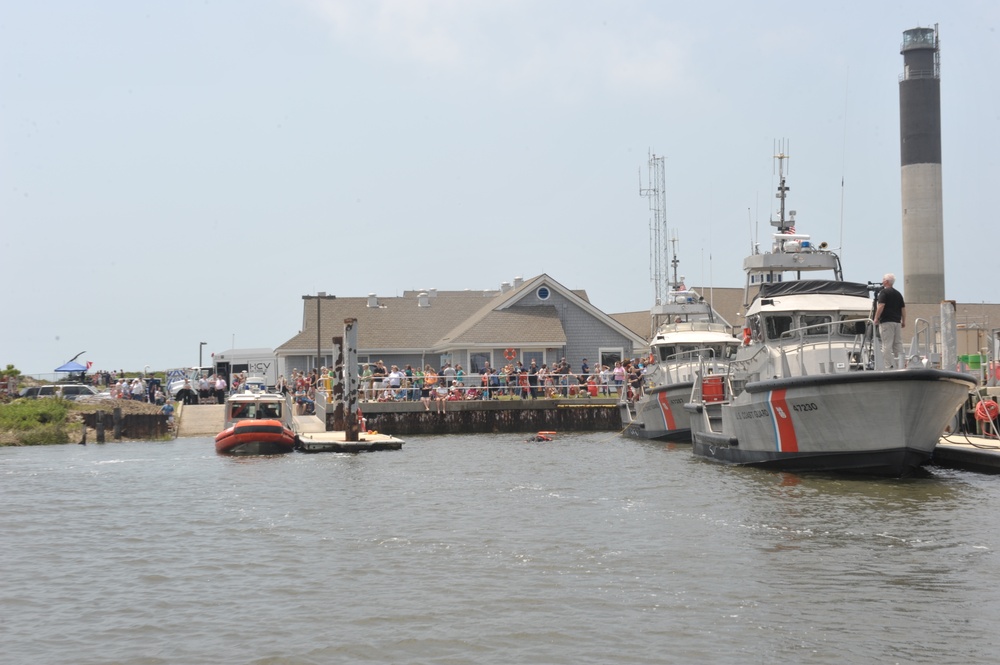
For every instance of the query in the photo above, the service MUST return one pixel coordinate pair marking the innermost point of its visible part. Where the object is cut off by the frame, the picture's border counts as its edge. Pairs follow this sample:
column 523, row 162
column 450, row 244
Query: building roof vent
column 372, row 301
column 504, row 287
column 423, row 300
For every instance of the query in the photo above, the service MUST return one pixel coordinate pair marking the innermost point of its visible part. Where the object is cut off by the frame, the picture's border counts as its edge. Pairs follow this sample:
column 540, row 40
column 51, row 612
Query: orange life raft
column 255, row 437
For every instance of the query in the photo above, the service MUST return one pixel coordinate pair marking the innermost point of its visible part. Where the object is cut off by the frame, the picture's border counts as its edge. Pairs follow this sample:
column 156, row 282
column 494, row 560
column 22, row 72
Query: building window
column 528, row 356
column 610, row 356
column 477, row 361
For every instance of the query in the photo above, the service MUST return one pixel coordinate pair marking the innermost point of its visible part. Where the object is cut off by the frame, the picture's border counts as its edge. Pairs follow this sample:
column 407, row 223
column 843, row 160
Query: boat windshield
column 269, row 410
column 813, row 324
column 675, row 352
column 777, row 324
column 244, row 410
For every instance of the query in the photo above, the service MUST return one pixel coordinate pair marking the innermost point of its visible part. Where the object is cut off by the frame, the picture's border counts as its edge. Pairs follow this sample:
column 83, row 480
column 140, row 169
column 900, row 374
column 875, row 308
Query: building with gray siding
column 536, row 319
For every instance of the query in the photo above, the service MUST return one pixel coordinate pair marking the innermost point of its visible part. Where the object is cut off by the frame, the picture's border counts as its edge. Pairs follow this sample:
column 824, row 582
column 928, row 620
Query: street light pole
column 201, row 345
column 319, row 325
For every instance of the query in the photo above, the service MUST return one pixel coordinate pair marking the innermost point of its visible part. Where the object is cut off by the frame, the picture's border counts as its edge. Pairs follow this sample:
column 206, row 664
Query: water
column 486, row 549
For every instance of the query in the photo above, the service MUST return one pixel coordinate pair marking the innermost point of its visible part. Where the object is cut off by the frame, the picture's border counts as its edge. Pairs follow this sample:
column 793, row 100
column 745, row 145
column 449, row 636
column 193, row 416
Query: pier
column 968, row 452
column 495, row 416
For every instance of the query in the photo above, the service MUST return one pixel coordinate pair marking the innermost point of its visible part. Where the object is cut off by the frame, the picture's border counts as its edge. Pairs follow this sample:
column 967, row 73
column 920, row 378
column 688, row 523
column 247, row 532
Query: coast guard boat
column 804, row 391
column 257, row 422
column 688, row 338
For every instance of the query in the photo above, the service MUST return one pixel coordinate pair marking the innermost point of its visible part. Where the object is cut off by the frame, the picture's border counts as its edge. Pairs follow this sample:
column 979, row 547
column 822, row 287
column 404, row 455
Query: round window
column 542, row 293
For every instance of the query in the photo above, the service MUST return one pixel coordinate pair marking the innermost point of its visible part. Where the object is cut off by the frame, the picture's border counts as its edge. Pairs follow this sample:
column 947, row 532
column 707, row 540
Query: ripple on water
column 591, row 549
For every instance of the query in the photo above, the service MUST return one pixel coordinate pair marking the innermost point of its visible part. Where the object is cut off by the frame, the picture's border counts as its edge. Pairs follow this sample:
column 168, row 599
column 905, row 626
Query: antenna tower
column 786, row 219
column 656, row 192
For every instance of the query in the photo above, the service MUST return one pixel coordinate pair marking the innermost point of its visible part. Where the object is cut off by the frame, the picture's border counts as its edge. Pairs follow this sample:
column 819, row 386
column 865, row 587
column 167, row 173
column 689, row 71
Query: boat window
column 776, row 325
column 813, row 324
column 667, row 351
column 240, row 410
column 730, row 351
column 269, row 410
column 855, row 323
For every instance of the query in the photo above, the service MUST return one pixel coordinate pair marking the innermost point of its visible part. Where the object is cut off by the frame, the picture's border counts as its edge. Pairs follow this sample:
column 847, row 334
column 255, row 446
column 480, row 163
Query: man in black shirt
column 890, row 317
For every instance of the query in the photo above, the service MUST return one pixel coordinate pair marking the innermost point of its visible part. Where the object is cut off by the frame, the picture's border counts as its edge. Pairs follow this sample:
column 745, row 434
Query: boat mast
column 784, row 225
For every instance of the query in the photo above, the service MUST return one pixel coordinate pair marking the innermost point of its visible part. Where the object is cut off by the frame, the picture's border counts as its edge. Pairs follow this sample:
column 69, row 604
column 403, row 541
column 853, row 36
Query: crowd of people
column 437, row 386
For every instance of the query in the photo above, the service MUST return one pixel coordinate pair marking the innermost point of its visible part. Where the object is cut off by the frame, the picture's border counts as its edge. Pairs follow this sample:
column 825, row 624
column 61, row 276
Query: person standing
column 220, row 389
column 890, row 317
column 618, row 375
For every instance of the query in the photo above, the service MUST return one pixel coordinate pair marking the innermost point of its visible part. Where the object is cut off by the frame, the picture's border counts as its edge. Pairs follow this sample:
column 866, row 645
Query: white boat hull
column 883, row 423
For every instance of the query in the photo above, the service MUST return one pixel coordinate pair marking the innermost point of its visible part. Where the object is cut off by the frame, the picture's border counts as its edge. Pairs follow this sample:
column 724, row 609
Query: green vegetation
column 34, row 422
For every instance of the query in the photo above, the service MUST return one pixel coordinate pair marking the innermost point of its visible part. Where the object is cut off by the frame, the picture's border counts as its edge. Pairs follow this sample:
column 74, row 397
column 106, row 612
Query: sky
column 181, row 172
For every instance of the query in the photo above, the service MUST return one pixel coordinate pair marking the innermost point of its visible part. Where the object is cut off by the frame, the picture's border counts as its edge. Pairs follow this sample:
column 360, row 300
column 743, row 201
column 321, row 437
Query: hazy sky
column 182, row 171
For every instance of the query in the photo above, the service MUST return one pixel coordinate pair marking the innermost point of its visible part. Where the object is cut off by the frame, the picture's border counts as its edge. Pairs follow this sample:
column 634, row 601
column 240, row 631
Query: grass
column 34, row 422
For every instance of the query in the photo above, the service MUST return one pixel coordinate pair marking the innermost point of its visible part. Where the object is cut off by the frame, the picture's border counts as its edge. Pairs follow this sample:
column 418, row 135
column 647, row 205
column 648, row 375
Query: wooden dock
column 313, row 437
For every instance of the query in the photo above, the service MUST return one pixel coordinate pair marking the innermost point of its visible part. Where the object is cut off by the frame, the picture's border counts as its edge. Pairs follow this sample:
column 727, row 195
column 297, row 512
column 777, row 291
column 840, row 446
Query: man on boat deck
column 890, row 317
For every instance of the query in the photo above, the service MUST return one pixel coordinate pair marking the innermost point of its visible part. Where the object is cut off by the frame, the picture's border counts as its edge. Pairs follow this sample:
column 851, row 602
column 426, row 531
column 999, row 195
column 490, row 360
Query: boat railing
column 749, row 368
column 710, row 387
column 922, row 344
column 830, row 344
column 680, row 367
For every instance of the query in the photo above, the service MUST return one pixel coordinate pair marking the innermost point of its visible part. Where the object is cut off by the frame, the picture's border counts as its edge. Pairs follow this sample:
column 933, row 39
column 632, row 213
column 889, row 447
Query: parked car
column 70, row 391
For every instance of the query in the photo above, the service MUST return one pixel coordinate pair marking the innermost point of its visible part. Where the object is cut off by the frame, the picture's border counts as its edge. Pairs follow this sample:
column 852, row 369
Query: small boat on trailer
column 257, row 423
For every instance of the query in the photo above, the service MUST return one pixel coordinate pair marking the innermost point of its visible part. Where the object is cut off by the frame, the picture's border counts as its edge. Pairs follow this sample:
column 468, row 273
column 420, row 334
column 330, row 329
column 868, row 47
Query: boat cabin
column 808, row 310
column 257, row 406
column 254, row 410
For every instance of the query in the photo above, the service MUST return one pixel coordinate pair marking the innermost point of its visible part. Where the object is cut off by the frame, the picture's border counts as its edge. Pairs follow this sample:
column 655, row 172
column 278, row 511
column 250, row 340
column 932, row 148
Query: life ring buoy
column 510, row 354
column 987, row 410
column 746, row 337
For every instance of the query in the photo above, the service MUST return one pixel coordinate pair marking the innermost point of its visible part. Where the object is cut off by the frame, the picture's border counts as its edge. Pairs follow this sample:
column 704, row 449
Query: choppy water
column 486, row 549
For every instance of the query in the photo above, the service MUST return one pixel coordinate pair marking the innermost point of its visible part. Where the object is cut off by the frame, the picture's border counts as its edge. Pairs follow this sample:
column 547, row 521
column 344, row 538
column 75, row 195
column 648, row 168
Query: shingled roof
column 440, row 320
column 538, row 324
column 393, row 323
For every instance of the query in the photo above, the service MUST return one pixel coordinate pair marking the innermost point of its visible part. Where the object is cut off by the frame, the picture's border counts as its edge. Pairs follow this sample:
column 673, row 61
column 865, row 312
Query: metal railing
column 856, row 358
column 680, row 367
